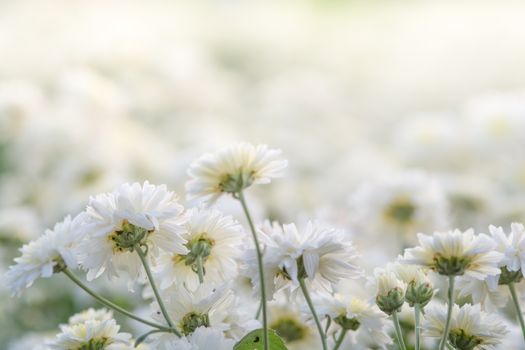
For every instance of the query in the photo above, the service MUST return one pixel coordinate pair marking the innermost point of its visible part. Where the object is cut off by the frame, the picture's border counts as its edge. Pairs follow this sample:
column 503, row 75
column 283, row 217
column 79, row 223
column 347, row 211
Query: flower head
column 470, row 328
column 512, row 246
column 390, row 294
column 88, row 333
column 202, row 338
column 132, row 215
column 317, row 253
column 355, row 314
column 211, row 237
column 48, row 254
column 455, row 253
column 232, row 169
column 205, row 307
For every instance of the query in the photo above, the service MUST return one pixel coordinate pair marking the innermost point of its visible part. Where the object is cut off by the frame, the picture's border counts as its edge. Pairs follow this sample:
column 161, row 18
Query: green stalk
column 399, row 333
column 417, row 314
column 314, row 314
column 266, row 341
column 516, row 302
column 110, row 304
column 200, row 270
column 443, row 341
column 340, row 339
column 144, row 261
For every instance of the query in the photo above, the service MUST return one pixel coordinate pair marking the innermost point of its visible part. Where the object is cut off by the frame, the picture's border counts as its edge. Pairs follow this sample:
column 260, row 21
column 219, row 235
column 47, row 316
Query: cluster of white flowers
column 213, row 283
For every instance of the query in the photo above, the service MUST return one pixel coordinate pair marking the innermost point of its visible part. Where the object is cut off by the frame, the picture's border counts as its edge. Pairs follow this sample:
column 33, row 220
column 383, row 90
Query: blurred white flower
column 356, row 315
column 232, row 169
column 216, row 238
column 317, row 253
column 48, row 254
column 202, row 338
column 455, row 253
column 512, row 246
column 133, row 215
column 206, row 306
column 90, row 334
column 91, row 314
column 487, row 293
column 470, row 328
column 288, row 319
column 396, row 207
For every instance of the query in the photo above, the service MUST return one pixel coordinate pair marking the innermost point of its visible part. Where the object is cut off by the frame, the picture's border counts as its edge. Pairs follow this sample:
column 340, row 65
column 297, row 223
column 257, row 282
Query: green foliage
column 254, row 341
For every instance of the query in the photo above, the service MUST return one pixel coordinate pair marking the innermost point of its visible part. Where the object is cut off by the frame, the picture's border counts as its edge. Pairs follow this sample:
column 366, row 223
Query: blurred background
column 397, row 117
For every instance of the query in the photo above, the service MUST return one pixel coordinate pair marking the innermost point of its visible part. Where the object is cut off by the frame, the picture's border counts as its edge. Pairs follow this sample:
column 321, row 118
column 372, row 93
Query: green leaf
column 254, row 341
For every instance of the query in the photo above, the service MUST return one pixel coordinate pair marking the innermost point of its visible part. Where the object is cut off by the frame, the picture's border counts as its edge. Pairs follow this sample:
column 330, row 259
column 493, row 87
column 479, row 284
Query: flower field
column 262, row 175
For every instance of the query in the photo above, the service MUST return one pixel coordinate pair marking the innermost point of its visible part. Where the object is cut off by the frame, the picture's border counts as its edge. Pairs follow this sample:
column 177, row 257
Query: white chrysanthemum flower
column 512, row 246
column 400, row 204
column 488, row 293
column 355, row 315
column 470, row 328
column 90, row 334
column 130, row 216
column 292, row 323
column 91, row 314
column 232, row 169
column 203, row 338
column 52, row 251
column 210, row 236
column 317, row 253
column 390, row 291
column 456, row 253
column 206, row 306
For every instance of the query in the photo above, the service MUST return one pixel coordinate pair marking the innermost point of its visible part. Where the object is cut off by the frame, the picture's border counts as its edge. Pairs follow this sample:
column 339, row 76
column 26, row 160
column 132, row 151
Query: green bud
column 460, row 340
column 128, row 237
column 418, row 293
column 234, row 183
column 508, row 277
column 200, row 247
column 392, row 301
column 191, row 321
column 450, row 266
column 351, row 324
column 93, row 344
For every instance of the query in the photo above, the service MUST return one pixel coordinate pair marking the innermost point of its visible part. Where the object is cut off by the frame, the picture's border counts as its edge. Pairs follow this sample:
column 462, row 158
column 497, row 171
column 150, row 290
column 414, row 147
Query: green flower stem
column 200, row 270
column 144, row 261
column 450, row 347
column 340, row 339
column 443, row 341
column 110, row 304
column 314, row 314
column 417, row 329
column 516, row 302
column 266, row 342
column 399, row 334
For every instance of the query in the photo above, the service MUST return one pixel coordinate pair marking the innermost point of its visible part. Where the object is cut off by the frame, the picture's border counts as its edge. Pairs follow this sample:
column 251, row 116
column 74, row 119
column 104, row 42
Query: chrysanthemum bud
column 392, row 301
column 419, row 289
column 391, row 292
column 419, row 293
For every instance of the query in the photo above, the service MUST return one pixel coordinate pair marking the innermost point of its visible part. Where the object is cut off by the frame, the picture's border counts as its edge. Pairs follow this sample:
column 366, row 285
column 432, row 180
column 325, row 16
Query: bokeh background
column 397, row 117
